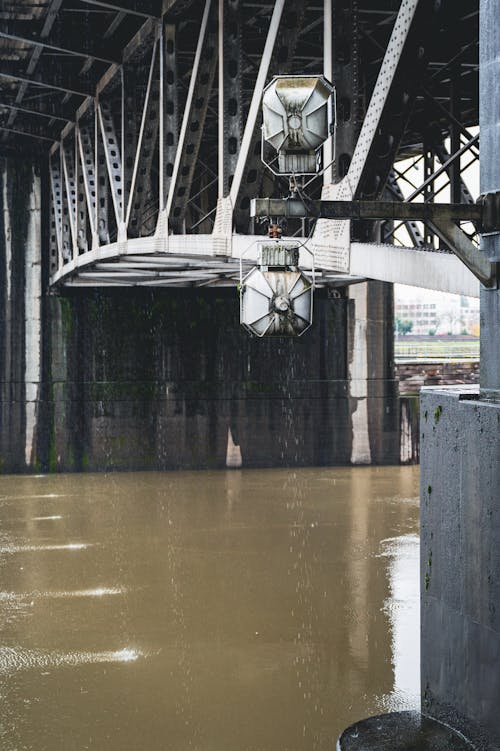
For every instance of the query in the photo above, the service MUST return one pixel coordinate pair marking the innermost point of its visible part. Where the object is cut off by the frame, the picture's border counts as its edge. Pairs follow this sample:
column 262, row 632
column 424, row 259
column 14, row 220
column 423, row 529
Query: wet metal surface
column 219, row 611
column 402, row 731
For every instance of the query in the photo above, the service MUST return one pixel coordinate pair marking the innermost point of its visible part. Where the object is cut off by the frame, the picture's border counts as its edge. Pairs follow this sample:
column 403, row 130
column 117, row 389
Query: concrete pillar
column 20, row 313
column 460, row 499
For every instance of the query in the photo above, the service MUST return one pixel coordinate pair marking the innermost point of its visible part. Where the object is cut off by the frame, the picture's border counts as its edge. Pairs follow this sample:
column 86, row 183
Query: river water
column 217, row 611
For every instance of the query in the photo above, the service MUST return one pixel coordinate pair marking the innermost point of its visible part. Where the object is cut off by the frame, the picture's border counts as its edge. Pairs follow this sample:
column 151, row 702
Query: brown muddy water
column 214, row 611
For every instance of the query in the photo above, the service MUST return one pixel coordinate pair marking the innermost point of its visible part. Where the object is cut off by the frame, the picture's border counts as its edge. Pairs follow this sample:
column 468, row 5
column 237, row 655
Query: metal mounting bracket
column 442, row 217
column 490, row 212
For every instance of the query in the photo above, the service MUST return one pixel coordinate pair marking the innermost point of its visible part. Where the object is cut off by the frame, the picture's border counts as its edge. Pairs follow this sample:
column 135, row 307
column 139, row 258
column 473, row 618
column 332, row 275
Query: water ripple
column 61, row 595
column 14, row 659
column 9, row 548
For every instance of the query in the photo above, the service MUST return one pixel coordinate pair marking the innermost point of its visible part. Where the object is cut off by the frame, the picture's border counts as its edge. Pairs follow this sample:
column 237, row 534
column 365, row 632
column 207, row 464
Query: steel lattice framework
column 147, row 115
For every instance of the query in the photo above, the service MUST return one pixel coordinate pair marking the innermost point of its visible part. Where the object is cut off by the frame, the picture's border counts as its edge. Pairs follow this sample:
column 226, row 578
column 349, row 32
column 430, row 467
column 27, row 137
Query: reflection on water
column 238, row 611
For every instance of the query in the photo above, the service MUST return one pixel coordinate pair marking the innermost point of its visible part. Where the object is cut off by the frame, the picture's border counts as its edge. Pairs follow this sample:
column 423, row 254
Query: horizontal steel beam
column 33, row 113
column 440, row 217
column 295, row 207
column 19, row 132
column 38, row 81
column 18, row 36
column 142, row 8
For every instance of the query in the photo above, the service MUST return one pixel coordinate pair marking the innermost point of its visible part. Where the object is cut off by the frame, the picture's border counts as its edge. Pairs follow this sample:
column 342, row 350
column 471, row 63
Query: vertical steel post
column 122, row 126
column 253, row 112
column 429, row 189
column 161, row 125
column 489, row 106
column 221, row 102
column 328, row 71
column 455, row 102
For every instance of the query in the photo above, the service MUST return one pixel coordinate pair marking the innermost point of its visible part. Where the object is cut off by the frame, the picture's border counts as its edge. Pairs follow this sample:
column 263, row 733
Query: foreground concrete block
column 460, row 561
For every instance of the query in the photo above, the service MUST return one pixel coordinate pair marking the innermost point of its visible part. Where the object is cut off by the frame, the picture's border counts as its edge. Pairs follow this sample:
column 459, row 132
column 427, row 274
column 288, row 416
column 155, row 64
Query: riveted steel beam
column 142, row 8
column 87, row 168
column 294, row 207
column 24, row 38
column 193, row 121
column 68, row 165
column 33, row 113
column 64, row 84
column 28, row 134
column 56, row 187
column 152, row 124
column 230, row 92
column 441, row 218
column 112, row 152
column 411, row 226
column 284, row 29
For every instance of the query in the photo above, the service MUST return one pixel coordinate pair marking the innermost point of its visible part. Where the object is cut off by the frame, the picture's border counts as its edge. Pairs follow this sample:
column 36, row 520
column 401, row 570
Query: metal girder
column 331, row 239
column 142, row 8
column 444, row 157
column 102, row 185
column 343, row 65
column 60, row 84
column 57, row 213
column 112, row 153
column 33, row 113
column 147, row 28
column 444, row 167
column 193, row 121
column 230, row 92
column 52, row 11
column 70, row 202
column 15, row 34
column 278, row 53
column 294, row 207
column 169, row 111
column 411, row 226
column 87, row 167
column 440, row 217
column 448, row 115
column 27, row 134
column 468, row 253
column 149, row 120
column 397, row 108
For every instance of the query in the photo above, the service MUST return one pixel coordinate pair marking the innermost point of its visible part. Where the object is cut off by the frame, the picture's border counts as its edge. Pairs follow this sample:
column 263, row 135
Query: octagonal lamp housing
column 298, row 117
column 276, row 297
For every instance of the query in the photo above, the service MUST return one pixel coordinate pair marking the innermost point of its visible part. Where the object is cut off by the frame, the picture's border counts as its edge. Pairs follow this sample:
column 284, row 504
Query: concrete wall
column 460, row 561
column 146, row 379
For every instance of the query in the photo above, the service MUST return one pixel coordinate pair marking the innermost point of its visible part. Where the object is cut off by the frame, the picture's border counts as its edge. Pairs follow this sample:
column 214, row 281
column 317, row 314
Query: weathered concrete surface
column 460, row 562
column 169, row 379
column 401, row 731
column 371, row 374
column 20, row 322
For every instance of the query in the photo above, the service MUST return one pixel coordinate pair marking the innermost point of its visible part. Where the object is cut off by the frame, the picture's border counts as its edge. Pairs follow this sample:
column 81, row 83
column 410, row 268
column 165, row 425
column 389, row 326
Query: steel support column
column 489, row 75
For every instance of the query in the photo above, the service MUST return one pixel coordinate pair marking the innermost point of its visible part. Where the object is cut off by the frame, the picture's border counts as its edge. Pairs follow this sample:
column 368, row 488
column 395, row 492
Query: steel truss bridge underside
column 147, row 116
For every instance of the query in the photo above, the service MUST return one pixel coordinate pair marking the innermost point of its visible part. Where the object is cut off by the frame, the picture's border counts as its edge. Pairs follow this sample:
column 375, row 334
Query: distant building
column 452, row 315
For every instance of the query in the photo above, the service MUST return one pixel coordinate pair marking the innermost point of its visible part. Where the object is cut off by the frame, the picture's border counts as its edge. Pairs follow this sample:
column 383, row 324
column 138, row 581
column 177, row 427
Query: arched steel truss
column 151, row 178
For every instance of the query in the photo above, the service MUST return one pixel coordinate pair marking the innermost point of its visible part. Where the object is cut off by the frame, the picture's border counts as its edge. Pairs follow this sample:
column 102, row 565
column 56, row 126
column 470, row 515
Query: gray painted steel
column 490, row 181
column 489, row 107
